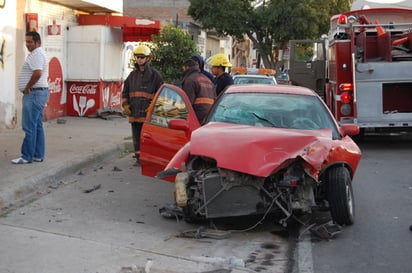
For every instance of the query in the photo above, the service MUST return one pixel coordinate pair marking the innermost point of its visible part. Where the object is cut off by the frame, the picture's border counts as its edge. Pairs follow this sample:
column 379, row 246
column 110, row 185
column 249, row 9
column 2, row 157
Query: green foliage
column 169, row 50
column 271, row 25
column 228, row 17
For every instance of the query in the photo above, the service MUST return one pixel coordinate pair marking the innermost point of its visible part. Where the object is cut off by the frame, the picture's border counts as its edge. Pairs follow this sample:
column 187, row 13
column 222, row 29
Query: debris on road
column 171, row 211
column 116, row 169
column 92, row 189
column 323, row 231
column 202, row 232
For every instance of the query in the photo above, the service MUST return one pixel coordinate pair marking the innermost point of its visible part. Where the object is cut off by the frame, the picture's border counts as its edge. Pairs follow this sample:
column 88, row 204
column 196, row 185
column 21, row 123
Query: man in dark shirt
column 198, row 88
column 218, row 64
column 201, row 63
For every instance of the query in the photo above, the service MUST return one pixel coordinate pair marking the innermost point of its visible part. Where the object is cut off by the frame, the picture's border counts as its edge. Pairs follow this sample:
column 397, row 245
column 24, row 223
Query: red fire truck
column 362, row 69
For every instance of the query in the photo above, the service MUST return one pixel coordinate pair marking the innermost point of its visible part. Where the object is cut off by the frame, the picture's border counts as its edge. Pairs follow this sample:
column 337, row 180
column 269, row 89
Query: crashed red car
column 262, row 149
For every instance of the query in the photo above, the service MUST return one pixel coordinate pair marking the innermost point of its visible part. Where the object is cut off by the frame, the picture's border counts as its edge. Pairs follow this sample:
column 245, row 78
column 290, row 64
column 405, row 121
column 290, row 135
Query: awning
column 90, row 6
column 134, row 29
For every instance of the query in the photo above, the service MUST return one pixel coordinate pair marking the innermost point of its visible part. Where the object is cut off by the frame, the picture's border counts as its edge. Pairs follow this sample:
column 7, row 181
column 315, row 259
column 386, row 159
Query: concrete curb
column 24, row 192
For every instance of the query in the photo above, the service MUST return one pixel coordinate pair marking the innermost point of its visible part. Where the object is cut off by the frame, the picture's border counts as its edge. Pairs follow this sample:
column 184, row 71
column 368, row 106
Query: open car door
column 169, row 123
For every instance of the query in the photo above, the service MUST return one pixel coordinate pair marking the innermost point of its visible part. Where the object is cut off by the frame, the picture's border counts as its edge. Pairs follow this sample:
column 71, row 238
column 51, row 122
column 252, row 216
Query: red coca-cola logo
column 83, row 89
column 55, row 76
column 55, row 86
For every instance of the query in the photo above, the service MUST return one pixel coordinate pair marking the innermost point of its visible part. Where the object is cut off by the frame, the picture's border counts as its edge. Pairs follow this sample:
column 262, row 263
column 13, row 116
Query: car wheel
column 340, row 196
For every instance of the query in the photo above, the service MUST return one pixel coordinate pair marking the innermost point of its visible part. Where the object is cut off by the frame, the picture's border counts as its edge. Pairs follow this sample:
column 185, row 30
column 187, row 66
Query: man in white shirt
column 33, row 84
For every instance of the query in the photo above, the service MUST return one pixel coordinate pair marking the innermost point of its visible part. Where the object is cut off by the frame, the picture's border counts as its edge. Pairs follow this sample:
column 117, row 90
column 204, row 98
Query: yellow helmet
column 219, row 59
column 142, row 50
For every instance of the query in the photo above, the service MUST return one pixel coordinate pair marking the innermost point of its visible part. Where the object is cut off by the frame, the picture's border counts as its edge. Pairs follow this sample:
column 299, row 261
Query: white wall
column 7, row 65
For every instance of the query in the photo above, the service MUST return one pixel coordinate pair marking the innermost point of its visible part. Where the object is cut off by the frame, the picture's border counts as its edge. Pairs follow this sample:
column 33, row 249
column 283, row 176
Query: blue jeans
column 32, row 124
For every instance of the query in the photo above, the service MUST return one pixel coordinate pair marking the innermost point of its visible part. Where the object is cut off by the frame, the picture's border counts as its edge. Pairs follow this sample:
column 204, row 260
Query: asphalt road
column 380, row 240
column 106, row 219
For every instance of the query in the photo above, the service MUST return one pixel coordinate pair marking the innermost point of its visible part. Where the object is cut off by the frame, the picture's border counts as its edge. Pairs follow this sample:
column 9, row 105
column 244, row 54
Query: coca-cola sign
column 56, row 107
column 55, row 76
column 55, row 86
column 87, row 89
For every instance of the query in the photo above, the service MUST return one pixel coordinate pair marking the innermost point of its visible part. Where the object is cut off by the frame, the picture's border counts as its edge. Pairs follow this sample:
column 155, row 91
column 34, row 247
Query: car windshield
column 249, row 80
column 273, row 110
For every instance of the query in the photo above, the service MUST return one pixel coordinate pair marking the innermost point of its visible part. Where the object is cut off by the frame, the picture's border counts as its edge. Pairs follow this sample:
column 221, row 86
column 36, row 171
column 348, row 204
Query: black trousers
column 136, row 131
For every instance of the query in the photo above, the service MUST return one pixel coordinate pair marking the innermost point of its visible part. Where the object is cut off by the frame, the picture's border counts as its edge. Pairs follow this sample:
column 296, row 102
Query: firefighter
column 138, row 91
column 218, row 64
column 199, row 89
column 201, row 63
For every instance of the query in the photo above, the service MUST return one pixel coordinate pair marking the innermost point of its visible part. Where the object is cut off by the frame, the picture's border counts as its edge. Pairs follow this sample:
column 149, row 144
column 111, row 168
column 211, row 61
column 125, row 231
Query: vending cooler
column 94, row 74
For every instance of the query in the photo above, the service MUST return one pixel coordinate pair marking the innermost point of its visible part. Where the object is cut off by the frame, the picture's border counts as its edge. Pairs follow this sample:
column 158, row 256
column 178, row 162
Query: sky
column 359, row 4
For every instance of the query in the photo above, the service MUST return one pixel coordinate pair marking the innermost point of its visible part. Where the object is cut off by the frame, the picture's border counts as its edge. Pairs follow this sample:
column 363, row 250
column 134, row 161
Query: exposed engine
column 213, row 192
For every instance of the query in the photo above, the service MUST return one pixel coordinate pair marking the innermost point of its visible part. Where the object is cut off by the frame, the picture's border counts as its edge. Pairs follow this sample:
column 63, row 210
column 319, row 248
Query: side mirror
column 178, row 124
column 349, row 129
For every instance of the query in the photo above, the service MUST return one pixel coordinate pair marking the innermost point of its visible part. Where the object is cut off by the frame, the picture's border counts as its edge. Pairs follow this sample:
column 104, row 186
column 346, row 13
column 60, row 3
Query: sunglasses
column 140, row 57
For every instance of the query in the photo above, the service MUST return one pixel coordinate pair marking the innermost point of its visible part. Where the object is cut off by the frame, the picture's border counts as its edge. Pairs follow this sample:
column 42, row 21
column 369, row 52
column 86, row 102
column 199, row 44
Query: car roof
column 251, row 76
column 266, row 88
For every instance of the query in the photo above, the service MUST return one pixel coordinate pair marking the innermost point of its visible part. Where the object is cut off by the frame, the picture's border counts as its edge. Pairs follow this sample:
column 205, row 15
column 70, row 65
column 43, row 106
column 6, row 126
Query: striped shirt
column 36, row 60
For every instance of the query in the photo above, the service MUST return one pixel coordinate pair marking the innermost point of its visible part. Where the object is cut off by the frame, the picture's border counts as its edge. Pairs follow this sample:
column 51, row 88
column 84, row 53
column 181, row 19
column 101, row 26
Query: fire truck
column 362, row 68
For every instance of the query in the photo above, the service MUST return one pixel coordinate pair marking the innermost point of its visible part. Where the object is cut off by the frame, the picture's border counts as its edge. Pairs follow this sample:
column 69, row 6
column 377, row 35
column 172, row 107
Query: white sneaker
column 37, row 159
column 20, row 160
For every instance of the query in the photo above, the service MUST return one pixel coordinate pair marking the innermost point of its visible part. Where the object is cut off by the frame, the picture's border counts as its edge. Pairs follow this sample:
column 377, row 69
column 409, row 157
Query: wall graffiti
column 3, row 44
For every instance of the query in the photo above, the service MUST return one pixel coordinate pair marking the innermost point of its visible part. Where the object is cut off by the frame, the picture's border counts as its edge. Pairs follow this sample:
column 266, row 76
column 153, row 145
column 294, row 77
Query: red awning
column 134, row 29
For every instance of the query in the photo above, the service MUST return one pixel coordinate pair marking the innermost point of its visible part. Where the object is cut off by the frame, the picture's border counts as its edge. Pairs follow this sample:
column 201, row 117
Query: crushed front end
column 213, row 192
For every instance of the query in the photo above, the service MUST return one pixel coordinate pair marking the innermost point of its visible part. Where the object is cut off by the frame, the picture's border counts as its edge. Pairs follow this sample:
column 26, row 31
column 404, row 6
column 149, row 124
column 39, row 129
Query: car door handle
column 146, row 136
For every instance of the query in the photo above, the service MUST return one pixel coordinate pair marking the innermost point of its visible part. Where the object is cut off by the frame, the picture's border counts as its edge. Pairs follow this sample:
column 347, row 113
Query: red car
column 262, row 149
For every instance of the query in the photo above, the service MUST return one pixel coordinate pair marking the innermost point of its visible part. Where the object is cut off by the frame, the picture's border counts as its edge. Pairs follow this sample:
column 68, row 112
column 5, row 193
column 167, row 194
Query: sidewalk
column 71, row 144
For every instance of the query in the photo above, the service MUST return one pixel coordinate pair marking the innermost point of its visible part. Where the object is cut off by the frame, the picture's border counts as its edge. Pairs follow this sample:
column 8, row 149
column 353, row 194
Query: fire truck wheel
column 340, row 196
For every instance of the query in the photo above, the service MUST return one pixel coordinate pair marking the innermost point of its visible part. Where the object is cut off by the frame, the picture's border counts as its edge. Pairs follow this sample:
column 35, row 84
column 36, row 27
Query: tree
column 170, row 48
column 270, row 25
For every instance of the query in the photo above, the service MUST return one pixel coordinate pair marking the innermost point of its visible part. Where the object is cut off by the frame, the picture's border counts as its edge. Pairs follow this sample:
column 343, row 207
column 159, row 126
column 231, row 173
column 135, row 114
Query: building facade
column 53, row 20
column 175, row 11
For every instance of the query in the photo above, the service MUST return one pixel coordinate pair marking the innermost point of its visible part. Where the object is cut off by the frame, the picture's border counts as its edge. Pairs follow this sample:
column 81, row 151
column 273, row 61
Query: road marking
column 305, row 259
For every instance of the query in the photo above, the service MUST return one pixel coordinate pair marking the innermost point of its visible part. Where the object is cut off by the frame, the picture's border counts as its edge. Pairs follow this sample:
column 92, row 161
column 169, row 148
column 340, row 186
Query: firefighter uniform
column 223, row 81
column 199, row 89
column 138, row 91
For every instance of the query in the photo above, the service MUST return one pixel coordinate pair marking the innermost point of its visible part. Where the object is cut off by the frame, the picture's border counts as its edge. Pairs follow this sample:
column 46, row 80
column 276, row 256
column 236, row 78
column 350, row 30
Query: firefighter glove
column 126, row 110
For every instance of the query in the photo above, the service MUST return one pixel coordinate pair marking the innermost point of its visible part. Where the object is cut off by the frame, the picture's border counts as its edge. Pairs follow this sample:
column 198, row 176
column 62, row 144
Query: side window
column 304, row 52
column 169, row 105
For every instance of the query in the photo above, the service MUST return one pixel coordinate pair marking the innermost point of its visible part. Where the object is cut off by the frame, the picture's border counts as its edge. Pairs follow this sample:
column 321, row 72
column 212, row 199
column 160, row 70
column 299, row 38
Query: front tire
column 340, row 196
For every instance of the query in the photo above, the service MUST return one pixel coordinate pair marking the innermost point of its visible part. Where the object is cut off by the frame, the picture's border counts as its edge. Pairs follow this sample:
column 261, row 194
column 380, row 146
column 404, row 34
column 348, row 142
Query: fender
column 176, row 164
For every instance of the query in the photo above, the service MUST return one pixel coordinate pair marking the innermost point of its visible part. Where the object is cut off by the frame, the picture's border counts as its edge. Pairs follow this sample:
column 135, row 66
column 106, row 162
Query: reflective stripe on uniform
column 204, row 100
column 135, row 94
column 133, row 119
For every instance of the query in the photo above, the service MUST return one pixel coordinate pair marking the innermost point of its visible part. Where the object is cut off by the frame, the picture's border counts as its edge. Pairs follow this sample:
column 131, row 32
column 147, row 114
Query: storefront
column 95, row 68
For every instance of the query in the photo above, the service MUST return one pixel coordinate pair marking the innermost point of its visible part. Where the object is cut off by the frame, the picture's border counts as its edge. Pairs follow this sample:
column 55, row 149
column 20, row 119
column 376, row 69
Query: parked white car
column 249, row 79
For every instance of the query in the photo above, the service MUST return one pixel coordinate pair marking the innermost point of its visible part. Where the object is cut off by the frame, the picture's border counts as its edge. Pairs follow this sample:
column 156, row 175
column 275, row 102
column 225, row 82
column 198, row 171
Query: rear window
column 252, row 80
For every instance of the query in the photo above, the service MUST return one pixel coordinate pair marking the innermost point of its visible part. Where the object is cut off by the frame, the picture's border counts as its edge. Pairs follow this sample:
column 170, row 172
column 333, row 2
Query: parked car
column 283, row 77
column 263, row 149
column 248, row 79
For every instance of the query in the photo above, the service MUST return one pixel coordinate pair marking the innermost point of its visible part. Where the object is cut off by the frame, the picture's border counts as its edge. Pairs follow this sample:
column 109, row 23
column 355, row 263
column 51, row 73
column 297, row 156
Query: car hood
column 259, row 151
